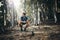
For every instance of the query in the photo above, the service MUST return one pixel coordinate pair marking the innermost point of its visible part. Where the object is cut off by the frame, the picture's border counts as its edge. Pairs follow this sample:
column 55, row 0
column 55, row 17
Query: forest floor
column 41, row 32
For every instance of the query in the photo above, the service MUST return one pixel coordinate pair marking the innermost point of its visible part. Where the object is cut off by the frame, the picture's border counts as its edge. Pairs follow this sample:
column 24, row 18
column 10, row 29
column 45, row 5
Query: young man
column 24, row 20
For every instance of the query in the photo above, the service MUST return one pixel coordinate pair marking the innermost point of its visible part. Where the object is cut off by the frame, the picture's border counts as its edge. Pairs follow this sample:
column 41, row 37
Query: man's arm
column 28, row 21
column 19, row 21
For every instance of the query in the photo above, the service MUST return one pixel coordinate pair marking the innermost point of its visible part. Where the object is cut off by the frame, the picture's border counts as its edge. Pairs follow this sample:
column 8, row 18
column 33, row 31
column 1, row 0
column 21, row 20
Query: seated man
column 24, row 20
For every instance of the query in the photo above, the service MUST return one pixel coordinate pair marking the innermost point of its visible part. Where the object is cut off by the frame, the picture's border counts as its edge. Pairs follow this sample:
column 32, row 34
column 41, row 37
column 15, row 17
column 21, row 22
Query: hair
column 24, row 13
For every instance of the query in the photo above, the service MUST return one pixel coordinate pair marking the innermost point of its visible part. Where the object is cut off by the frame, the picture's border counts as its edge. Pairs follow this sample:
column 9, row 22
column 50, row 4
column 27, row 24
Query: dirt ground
column 42, row 32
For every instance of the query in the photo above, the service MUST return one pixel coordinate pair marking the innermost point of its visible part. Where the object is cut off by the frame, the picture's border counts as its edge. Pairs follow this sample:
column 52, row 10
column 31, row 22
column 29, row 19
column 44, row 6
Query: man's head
column 24, row 14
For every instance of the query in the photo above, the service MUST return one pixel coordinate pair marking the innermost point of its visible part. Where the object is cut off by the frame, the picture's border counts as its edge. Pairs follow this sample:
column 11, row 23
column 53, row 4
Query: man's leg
column 26, row 26
column 21, row 27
